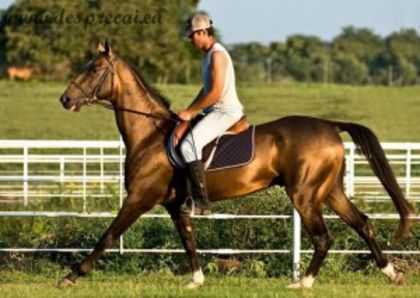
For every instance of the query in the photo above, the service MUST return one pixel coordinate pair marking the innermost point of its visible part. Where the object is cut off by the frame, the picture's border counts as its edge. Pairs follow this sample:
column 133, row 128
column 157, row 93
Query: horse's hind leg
column 307, row 202
column 344, row 208
column 182, row 222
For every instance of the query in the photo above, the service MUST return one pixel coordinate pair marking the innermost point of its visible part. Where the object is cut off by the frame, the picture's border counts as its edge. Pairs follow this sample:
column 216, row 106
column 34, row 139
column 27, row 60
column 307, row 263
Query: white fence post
column 25, row 175
column 350, row 172
column 102, row 169
column 296, row 245
column 121, row 189
column 62, row 170
column 84, row 179
column 408, row 173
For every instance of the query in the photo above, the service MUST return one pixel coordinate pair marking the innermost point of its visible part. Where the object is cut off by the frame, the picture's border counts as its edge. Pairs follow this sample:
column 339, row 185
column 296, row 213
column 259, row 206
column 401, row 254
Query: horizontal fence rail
column 36, row 169
column 31, row 171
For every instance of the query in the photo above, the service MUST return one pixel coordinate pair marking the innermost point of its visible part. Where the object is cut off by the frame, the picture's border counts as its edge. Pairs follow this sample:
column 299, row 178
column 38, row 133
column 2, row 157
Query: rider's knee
column 185, row 147
column 187, row 151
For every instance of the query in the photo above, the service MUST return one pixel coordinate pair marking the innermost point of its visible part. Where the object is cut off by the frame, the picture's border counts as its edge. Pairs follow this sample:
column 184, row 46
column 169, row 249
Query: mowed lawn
column 31, row 110
column 16, row 284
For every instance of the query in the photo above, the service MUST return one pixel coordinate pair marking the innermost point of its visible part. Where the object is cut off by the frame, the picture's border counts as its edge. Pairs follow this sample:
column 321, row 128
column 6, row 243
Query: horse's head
column 94, row 83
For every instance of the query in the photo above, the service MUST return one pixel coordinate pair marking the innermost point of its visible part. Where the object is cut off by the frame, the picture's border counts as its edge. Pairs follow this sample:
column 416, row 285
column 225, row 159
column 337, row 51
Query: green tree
column 348, row 69
column 305, row 57
column 406, row 71
column 361, row 43
column 364, row 45
column 404, row 50
column 3, row 42
column 249, row 60
column 60, row 48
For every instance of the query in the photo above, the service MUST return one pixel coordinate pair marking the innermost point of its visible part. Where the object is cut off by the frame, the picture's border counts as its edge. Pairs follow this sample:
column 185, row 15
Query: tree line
column 356, row 56
column 59, row 37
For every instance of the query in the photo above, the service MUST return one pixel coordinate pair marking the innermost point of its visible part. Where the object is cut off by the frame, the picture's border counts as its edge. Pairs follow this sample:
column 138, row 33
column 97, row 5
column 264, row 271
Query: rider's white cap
column 198, row 22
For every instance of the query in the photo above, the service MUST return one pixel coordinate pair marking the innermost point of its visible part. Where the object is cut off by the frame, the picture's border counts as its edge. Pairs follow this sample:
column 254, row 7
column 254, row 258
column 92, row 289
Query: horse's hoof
column 399, row 278
column 393, row 275
column 194, row 285
column 65, row 283
column 305, row 282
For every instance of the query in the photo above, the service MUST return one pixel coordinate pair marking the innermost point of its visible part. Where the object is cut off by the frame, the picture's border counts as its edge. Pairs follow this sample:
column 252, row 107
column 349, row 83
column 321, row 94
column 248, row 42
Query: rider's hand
column 176, row 140
column 179, row 132
column 185, row 115
column 177, row 136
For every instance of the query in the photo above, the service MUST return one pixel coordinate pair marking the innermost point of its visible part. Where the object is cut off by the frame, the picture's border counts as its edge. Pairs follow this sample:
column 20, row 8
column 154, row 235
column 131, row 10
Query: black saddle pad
column 230, row 150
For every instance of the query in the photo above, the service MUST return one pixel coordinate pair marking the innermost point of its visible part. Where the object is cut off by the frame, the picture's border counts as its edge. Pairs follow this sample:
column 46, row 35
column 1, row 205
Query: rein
column 149, row 115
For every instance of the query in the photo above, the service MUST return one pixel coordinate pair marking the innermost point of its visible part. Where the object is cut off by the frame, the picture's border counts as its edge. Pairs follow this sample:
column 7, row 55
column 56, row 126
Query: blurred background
column 350, row 42
column 348, row 60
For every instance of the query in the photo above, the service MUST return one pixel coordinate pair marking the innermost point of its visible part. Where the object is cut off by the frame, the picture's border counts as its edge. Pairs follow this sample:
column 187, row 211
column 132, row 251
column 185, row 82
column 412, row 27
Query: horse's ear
column 105, row 49
column 101, row 48
column 108, row 49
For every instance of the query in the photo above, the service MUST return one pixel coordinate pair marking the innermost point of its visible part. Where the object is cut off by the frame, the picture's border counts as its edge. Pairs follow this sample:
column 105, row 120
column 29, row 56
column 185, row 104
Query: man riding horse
column 218, row 100
column 304, row 155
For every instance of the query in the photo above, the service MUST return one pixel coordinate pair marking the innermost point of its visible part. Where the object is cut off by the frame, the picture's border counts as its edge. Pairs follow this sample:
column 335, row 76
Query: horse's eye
column 93, row 70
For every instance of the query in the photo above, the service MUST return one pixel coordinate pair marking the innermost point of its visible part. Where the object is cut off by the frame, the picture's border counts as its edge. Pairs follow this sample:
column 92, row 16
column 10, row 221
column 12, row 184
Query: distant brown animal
column 23, row 73
column 305, row 155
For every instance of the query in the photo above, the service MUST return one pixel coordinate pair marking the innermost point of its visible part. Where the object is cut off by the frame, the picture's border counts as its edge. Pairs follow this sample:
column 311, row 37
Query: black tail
column 367, row 143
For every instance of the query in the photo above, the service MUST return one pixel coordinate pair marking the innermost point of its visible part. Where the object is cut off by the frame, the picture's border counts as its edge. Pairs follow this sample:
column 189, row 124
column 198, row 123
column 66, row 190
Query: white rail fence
column 37, row 170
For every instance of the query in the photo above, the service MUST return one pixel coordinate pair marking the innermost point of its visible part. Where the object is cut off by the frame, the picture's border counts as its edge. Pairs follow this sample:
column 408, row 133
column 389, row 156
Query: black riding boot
column 198, row 187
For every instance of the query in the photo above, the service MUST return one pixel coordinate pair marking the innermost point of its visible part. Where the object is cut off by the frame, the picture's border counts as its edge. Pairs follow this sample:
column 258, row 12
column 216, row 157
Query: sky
column 5, row 3
column 273, row 20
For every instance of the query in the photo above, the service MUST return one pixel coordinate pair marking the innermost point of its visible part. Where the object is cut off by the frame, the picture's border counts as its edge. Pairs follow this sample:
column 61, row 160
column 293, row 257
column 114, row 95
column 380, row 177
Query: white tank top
column 229, row 101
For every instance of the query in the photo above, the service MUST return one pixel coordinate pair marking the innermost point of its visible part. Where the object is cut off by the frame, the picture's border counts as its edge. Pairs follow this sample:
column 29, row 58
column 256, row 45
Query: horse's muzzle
column 67, row 104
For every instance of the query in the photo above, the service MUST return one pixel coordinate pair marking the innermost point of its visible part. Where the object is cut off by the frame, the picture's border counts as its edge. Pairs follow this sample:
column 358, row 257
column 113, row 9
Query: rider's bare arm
column 199, row 96
column 218, row 66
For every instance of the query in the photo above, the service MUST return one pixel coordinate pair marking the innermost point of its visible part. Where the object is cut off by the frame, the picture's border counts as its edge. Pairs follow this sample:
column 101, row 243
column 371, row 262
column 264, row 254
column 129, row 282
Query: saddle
column 234, row 148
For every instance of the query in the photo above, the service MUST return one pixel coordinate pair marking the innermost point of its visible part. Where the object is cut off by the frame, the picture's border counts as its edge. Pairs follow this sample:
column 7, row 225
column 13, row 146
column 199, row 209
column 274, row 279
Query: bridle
column 92, row 98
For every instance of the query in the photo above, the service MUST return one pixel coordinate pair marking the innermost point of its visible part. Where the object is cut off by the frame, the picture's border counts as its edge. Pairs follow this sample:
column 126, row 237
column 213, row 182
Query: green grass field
column 97, row 284
column 32, row 110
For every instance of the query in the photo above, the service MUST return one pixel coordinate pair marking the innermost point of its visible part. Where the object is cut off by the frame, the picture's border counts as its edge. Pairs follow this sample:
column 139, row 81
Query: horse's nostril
column 64, row 99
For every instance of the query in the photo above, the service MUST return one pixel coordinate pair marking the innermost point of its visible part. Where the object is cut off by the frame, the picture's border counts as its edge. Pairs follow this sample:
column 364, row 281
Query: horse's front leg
column 131, row 210
column 182, row 222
